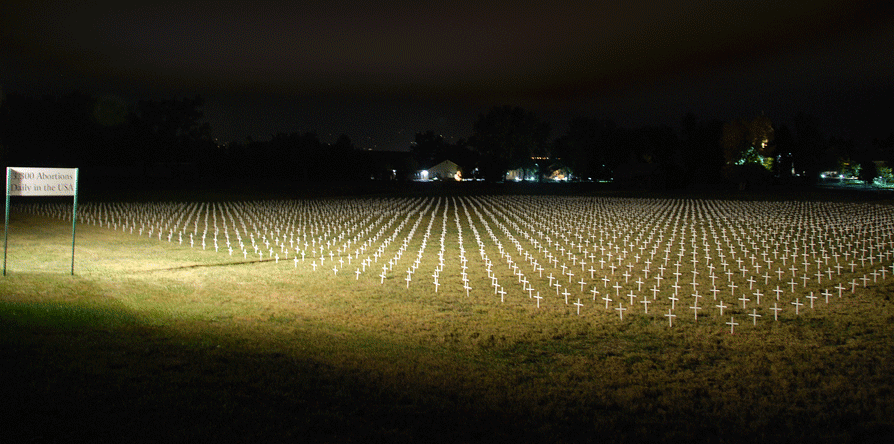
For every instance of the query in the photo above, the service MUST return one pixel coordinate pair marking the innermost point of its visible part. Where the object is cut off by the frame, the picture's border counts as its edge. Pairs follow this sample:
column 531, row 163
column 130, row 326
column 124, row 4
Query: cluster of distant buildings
column 447, row 170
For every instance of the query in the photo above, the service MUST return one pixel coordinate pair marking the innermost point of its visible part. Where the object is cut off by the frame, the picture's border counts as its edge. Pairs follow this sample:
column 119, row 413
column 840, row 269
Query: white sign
column 23, row 181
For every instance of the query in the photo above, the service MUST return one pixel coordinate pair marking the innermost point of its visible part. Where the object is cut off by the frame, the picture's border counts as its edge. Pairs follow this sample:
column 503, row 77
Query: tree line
column 168, row 140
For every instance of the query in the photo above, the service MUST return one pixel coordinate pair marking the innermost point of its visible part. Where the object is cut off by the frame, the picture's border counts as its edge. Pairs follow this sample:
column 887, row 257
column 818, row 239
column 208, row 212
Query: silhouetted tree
column 701, row 150
column 784, row 146
column 341, row 161
column 744, row 141
column 429, row 148
column 885, row 148
column 583, row 148
column 172, row 132
column 506, row 138
column 808, row 147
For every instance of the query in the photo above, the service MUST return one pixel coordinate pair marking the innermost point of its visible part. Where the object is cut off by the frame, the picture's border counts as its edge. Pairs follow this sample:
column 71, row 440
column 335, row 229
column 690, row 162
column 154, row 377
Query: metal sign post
column 23, row 181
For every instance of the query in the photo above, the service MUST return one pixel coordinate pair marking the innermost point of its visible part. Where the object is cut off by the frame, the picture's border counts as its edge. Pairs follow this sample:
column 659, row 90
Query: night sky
column 381, row 74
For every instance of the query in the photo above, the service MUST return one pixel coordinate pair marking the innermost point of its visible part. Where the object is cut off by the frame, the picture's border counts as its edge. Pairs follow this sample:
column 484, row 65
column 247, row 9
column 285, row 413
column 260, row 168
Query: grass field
column 153, row 339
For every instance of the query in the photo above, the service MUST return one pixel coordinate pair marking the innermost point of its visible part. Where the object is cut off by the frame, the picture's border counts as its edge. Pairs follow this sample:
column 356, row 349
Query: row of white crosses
column 732, row 285
column 618, row 255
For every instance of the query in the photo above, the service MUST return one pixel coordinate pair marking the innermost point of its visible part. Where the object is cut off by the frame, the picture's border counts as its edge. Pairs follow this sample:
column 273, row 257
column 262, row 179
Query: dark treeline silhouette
column 157, row 143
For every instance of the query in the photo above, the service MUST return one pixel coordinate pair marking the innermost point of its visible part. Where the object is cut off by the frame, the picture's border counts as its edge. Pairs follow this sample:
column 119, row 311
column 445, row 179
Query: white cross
column 754, row 317
column 797, row 305
column 670, row 317
column 732, row 325
column 695, row 309
column 721, row 307
column 776, row 311
column 812, row 298
column 645, row 303
column 621, row 310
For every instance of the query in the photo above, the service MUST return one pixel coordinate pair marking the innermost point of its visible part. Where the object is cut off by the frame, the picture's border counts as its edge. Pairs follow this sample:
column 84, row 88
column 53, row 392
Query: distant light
column 424, row 174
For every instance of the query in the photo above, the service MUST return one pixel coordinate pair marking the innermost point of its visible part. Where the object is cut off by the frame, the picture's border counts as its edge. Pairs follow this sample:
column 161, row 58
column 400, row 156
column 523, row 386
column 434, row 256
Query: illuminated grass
column 172, row 341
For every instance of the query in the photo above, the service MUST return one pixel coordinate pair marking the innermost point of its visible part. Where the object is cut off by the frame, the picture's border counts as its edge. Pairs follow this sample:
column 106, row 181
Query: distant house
column 520, row 174
column 446, row 170
column 555, row 172
column 559, row 174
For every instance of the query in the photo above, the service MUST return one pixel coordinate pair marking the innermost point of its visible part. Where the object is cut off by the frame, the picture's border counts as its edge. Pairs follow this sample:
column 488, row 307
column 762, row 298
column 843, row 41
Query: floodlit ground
column 451, row 319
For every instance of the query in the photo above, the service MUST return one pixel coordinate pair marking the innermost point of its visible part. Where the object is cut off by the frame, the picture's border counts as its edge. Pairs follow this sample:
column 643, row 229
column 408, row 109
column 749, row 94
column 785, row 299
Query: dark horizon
column 380, row 75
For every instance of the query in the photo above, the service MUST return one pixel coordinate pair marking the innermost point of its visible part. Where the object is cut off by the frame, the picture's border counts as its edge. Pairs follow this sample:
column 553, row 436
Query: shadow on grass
column 199, row 266
column 96, row 372
column 76, row 373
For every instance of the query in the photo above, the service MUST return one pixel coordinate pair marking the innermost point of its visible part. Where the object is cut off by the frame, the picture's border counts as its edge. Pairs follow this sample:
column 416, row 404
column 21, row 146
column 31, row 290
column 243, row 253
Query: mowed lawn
column 153, row 341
